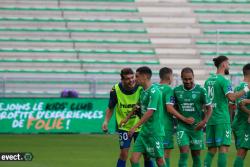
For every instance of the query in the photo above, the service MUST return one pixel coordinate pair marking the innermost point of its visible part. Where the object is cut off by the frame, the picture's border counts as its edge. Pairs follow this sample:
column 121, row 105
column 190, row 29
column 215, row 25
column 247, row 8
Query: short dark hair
column 126, row 71
column 145, row 70
column 165, row 71
column 187, row 70
column 218, row 60
column 246, row 69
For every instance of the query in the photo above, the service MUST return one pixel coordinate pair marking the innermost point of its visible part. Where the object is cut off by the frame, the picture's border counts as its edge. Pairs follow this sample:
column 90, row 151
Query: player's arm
column 144, row 118
column 233, row 96
column 207, row 115
column 170, row 101
column 110, row 109
column 173, row 111
column 243, row 107
column 109, row 113
column 131, row 113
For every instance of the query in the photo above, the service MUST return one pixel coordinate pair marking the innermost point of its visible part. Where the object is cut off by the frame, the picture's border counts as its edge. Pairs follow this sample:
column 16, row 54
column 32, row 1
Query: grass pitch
column 60, row 150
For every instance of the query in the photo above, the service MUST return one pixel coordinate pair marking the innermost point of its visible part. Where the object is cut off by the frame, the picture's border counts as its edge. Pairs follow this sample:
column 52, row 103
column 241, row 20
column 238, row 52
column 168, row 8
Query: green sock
column 222, row 160
column 135, row 164
column 208, row 159
column 183, row 160
column 167, row 162
column 164, row 165
column 196, row 161
column 238, row 162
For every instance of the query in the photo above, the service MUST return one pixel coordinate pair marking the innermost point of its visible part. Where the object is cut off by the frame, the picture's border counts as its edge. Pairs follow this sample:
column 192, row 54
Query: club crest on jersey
column 193, row 96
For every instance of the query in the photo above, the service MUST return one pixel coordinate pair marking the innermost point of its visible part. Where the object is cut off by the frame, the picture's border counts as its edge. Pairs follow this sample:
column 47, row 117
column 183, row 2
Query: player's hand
column 189, row 120
column 131, row 132
column 123, row 122
column 105, row 126
column 248, row 119
column 200, row 125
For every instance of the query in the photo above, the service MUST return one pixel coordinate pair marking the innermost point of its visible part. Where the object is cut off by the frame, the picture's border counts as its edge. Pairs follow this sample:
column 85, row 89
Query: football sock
column 183, row 160
column 238, row 162
column 121, row 163
column 135, row 164
column 148, row 163
column 222, row 160
column 208, row 159
column 196, row 161
column 167, row 162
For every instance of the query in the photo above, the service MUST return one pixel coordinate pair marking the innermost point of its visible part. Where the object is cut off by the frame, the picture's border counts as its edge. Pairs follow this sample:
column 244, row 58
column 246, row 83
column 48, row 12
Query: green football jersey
column 241, row 117
column 190, row 103
column 167, row 95
column 218, row 87
column 152, row 99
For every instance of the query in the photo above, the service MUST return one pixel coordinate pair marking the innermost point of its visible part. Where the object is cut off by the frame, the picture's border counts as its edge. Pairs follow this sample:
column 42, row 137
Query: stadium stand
column 83, row 44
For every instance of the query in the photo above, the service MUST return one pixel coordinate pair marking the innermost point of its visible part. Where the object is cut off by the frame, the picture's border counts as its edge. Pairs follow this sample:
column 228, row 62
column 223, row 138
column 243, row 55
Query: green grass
column 76, row 150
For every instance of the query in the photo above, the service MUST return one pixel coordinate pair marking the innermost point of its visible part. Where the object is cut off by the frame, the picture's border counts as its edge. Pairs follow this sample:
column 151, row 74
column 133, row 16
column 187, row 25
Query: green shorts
column 246, row 140
column 239, row 135
column 192, row 138
column 168, row 141
column 151, row 146
column 218, row 135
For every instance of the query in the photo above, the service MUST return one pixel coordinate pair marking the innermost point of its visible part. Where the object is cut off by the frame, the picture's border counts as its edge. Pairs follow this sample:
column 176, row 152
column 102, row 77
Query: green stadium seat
column 233, row 53
column 87, row 51
column 232, row 63
column 30, row 30
column 79, row 61
column 221, row 1
column 221, row 11
column 26, row 40
column 119, row 10
column 224, row 22
column 23, row 19
column 230, row 43
column 227, row 32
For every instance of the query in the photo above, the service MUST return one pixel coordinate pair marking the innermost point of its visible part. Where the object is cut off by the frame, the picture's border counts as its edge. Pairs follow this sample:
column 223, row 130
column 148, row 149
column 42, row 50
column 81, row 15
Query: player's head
column 143, row 74
column 166, row 74
column 246, row 70
column 221, row 62
column 127, row 78
column 187, row 76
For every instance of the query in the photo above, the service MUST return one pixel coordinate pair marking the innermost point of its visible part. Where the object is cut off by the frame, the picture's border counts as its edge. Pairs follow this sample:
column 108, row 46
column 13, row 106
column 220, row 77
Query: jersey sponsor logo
column 126, row 105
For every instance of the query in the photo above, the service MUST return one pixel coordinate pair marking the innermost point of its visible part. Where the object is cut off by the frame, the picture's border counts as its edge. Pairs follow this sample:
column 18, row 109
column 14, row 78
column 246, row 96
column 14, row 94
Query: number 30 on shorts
column 123, row 136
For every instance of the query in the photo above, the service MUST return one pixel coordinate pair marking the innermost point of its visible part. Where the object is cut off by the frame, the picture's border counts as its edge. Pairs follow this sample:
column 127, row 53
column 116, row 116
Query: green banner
column 53, row 115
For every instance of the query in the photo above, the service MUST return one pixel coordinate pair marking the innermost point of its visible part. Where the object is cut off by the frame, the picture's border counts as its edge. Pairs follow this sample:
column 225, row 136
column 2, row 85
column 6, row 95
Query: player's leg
column 125, row 142
column 168, row 144
column 239, row 160
column 196, row 158
column 167, row 156
column 138, row 149
column 210, row 142
column 183, row 156
column 243, row 146
column 155, row 149
column 135, row 157
column 160, row 162
column 183, row 143
column 147, row 160
column 223, row 141
column 196, row 145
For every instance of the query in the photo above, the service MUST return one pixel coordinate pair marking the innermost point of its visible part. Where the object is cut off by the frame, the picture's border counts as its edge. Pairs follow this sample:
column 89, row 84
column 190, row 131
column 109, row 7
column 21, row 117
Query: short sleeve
column 153, row 99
